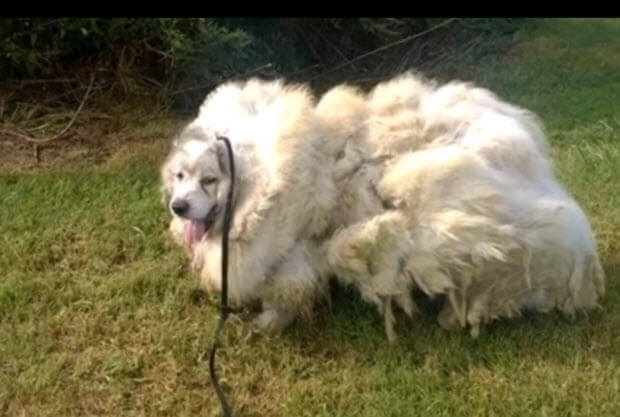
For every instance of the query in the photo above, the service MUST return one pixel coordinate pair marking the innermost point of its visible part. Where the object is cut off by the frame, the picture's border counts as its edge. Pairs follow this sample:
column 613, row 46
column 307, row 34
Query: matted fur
column 443, row 188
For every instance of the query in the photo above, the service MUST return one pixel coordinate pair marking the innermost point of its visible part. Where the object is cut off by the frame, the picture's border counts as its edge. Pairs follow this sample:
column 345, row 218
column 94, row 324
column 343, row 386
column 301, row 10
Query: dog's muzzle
column 180, row 207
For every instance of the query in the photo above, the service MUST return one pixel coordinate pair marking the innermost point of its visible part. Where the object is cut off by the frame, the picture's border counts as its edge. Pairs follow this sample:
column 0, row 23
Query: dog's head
column 195, row 181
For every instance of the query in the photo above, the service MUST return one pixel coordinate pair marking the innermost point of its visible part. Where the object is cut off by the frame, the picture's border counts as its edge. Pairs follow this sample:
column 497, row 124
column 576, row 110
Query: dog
column 281, row 205
column 445, row 189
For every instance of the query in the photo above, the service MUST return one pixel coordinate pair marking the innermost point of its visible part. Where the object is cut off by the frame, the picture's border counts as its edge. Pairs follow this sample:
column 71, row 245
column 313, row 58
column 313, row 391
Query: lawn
column 99, row 314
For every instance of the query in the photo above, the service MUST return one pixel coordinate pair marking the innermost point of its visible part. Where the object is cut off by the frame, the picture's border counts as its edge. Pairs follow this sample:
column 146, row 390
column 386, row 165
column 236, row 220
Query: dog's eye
column 208, row 181
column 179, row 175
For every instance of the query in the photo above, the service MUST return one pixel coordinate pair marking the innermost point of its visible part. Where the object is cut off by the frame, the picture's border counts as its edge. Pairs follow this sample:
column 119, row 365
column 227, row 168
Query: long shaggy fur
column 446, row 189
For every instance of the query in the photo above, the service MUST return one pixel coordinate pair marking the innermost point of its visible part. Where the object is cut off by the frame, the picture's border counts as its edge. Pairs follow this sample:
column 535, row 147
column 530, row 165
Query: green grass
column 98, row 313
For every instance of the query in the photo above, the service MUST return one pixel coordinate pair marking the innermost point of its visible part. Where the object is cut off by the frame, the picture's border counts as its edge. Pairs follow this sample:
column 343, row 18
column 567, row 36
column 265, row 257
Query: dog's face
column 195, row 181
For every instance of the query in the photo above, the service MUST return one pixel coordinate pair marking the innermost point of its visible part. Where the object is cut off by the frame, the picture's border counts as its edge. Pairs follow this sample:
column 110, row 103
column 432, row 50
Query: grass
column 98, row 313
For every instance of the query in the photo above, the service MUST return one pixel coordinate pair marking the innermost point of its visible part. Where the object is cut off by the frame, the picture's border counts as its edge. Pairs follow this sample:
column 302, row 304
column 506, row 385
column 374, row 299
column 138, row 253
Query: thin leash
column 224, row 309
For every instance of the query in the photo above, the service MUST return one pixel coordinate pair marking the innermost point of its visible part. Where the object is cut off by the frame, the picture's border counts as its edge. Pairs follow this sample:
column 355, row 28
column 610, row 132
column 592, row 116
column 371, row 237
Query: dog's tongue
column 194, row 230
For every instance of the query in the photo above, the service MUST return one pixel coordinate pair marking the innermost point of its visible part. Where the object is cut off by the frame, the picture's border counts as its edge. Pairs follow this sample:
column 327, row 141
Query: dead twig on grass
column 38, row 141
column 212, row 84
column 390, row 45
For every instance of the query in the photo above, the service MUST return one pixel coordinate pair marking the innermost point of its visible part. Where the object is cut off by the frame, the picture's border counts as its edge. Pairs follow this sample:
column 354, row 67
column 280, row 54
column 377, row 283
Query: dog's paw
column 448, row 319
column 273, row 321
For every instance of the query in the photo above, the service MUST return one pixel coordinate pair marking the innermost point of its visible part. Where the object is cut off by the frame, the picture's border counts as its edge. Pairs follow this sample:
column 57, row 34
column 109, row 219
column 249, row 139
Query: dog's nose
column 180, row 207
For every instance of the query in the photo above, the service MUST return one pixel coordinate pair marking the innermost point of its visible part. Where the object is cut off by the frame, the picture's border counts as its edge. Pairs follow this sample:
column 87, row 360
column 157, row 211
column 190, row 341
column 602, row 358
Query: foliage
column 200, row 49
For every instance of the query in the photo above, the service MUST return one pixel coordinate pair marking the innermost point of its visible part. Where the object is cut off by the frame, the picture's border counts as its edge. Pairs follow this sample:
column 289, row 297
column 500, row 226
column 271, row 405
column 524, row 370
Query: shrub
column 191, row 55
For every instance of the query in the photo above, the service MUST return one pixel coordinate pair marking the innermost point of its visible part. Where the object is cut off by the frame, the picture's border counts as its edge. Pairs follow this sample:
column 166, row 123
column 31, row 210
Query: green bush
column 50, row 47
column 192, row 55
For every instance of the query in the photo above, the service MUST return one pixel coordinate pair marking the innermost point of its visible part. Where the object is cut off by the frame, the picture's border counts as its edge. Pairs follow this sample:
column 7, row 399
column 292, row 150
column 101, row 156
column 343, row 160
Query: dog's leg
column 291, row 289
column 448, row 318
column 390, row 320
column 274, row 320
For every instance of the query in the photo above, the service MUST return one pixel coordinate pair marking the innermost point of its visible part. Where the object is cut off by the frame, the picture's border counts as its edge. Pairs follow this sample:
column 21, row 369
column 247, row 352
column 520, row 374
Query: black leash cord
column 224, row 310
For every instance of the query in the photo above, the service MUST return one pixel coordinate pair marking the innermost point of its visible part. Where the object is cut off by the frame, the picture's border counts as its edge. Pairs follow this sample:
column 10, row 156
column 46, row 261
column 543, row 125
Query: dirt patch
column 79, row 122
column 88, row 144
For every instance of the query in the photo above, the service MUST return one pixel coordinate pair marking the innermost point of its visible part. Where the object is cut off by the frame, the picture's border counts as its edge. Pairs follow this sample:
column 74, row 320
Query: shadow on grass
column 349, row 325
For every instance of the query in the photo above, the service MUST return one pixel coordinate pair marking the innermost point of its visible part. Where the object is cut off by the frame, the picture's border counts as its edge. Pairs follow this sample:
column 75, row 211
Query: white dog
column 448, row 190
column 284, row 195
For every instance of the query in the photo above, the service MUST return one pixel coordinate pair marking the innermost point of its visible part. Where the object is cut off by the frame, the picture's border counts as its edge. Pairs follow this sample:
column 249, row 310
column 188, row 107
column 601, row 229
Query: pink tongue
column 194, row 230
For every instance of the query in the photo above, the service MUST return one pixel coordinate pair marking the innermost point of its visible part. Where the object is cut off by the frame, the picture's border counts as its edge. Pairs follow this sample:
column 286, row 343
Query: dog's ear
column 222, row 157
column 166, row 187
column 165, row 196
